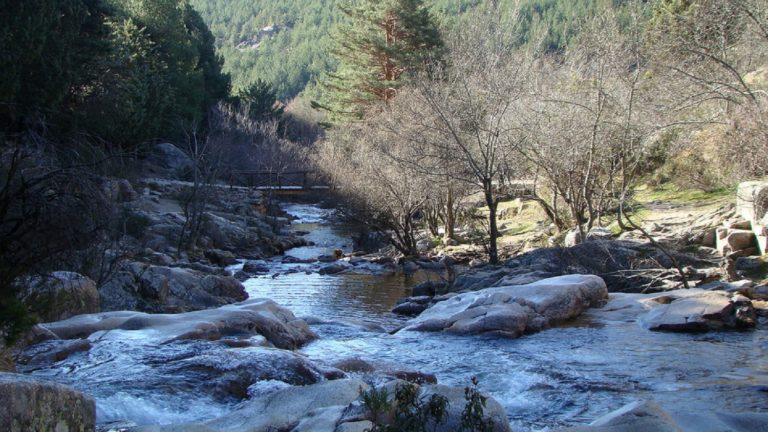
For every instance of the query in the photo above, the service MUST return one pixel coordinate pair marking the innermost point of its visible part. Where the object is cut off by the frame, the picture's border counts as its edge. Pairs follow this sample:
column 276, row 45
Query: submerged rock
column 327, row 258
column 514, row 310
column 332, row 269
column 258, row 316
column 355, row 364
column 31, row 404
column 49, row 352
column 410, row 267
column 412, row 306
column 255, row 267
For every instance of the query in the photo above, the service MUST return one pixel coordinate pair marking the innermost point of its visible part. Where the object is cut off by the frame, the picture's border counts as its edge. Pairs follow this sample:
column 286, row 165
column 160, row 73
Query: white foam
column 153, row 409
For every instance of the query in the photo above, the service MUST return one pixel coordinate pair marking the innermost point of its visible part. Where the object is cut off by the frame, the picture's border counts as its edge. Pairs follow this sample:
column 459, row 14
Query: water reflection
column 343, row 296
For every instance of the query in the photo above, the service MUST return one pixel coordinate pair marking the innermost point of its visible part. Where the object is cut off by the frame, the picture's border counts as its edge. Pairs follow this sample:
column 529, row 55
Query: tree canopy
column 123, row 70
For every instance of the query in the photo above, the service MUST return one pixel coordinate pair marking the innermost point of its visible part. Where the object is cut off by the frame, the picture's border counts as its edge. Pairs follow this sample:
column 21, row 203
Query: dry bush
column 719, row 155
column 697, row 160
column 302, row 122
column 746, row 140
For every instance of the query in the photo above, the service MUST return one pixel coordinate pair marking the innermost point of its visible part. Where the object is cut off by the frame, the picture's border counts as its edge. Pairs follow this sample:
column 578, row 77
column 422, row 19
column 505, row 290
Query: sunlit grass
column 673, row 194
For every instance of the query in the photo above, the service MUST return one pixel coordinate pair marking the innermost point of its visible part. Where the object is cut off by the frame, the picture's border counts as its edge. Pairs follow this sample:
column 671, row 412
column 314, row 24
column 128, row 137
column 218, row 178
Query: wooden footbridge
column 280, row 182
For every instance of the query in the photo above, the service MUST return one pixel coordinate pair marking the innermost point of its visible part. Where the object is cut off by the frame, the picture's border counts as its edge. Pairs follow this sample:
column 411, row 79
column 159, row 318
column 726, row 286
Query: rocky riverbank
column 163, row 330
column 230, row 352
column 145, row 268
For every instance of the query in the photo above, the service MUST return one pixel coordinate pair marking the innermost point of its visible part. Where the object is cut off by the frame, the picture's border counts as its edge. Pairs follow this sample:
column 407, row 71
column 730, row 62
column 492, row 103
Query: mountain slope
column 286, row 42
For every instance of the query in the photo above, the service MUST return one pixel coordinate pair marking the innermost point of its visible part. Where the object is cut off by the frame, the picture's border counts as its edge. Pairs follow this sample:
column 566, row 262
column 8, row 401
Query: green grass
column 671, row 193
column 519, row 229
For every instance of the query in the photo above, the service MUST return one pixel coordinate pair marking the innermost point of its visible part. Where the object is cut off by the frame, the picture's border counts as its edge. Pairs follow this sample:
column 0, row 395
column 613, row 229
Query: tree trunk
column 450, row 216
column 410, row 239
column 432, row 217
column 493, row 229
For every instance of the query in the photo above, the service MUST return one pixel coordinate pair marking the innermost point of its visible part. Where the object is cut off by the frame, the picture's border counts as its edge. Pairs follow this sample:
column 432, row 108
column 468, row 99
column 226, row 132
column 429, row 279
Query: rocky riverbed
column 572, row 353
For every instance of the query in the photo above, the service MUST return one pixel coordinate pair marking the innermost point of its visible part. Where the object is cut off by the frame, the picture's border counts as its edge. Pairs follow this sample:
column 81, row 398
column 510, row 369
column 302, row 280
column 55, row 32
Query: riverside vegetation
column 531, row 164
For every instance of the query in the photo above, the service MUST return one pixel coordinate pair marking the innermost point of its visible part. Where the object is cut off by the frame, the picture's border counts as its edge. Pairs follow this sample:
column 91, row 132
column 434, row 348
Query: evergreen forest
column 287, row 43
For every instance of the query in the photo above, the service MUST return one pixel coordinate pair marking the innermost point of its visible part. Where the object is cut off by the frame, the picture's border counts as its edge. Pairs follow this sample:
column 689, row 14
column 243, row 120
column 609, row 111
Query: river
column 562, row 376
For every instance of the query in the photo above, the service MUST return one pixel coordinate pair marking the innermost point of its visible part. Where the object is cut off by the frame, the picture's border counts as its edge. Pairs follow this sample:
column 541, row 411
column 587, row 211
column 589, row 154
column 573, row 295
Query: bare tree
column 206, row 155
column 383, row 194
column 710, row 56
column 455, row 124
column 590, row 121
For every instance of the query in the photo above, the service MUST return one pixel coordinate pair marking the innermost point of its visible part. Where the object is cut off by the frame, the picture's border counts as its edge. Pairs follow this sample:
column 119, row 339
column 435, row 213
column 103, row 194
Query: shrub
column 472, row 417
column 407, row 412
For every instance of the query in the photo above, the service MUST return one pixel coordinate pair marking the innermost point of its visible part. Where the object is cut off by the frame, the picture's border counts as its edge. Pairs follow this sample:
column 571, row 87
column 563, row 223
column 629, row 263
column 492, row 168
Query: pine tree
column 378, row 48
column 259, row 100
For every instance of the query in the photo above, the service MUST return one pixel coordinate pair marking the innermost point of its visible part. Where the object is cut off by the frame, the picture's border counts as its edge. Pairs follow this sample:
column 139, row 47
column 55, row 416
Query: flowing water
column 562, row 376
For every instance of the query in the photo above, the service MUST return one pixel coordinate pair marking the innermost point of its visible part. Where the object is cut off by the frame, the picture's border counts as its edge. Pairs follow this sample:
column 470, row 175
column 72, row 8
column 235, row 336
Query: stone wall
column 752, row 206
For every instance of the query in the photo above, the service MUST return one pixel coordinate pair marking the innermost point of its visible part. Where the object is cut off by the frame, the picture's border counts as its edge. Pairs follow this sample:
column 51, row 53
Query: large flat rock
column 514, row 310
column 31, row 404
column 633, row 417
column 257, row 316
column 158, row 289
column 700, row 311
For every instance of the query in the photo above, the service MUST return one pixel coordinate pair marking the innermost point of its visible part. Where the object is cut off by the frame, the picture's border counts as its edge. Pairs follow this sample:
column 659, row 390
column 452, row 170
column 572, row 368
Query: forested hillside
column 287, row 42
column 283, row 42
